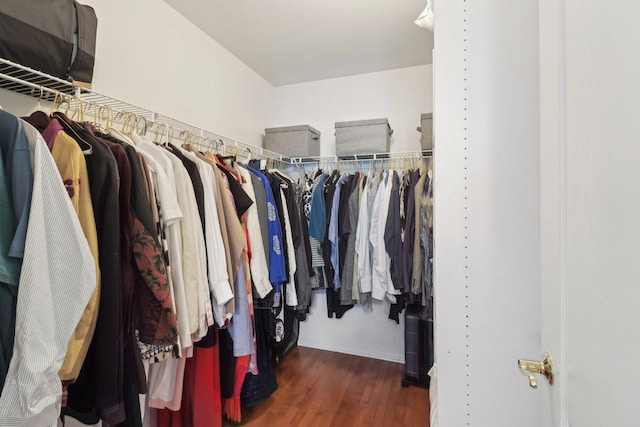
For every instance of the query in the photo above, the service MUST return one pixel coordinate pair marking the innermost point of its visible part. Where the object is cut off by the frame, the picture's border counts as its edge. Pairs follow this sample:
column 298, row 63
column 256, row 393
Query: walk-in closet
column 216, row 213
column 319, row 213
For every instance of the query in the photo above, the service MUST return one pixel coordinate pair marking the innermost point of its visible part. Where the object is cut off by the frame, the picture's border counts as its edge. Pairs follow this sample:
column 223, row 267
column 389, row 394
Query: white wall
column 20, row 105
column 400, row 95
column 487, row 211
column 149, row 55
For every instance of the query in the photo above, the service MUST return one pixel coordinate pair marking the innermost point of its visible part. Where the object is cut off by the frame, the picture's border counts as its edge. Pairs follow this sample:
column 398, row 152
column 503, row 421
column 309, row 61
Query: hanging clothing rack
column 361, row 157
column 36, row 84
column 27, row 81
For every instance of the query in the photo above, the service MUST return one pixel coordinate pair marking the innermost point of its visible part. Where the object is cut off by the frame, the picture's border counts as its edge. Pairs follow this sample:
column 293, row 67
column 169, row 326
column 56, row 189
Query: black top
column 344, row 222
column 100, row 379
column 156, row 325
column 276, row 183
column 241, row 199
column 409, row 229
column 330, row 189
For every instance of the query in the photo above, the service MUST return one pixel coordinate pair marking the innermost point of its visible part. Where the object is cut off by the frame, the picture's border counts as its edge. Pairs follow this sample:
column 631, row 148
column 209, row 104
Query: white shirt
column 391, row 290
column 193, row 265
column 290, row 289
column 56, row 282
column 172, row 211
column 379, row 257
column 362, row 240
column 258, row 262
column 219, row 283
column 194, row 257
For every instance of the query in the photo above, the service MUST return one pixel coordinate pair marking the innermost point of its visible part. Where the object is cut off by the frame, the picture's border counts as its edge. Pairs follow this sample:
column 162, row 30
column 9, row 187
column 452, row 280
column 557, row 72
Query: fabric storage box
column 426, row 128
column 363, row 137
column 293, row 141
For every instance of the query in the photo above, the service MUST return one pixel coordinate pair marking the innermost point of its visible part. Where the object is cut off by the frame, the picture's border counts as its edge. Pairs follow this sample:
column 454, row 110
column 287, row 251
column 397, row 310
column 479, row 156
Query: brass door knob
column 531, row 367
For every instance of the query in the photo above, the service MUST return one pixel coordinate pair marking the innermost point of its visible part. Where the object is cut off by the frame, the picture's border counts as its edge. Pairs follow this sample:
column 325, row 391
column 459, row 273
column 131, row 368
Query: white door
column 537, row 211
column 590, row 187
column 487, row 211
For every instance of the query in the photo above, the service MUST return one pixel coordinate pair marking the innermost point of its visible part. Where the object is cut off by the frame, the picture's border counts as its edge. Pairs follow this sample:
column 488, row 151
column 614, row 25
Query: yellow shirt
column 71, row 164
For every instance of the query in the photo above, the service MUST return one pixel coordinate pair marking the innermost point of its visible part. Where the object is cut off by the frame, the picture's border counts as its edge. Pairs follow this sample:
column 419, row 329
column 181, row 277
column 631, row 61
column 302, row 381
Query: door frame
column 553, row 205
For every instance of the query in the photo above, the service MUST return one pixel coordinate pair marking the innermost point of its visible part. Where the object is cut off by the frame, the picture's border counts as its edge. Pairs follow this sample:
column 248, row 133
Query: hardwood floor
column 319, row 388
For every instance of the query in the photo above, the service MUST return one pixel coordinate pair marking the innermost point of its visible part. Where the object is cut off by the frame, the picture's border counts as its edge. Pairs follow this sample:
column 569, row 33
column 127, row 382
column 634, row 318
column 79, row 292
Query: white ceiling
column 294, row 41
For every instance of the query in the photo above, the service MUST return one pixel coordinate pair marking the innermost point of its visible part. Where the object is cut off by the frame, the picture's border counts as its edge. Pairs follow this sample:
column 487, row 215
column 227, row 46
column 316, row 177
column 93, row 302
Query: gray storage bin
column 426, row 128
column 363, row 137
column 293, row 141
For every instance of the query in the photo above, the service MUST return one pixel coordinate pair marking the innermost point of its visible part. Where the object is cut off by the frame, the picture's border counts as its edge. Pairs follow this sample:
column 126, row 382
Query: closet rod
column 364, row 157
column 27, row 81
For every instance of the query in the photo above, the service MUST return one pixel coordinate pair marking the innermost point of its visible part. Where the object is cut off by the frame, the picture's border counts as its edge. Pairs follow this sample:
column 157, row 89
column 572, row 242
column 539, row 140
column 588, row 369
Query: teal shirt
column 9, row 275
column 17, row 163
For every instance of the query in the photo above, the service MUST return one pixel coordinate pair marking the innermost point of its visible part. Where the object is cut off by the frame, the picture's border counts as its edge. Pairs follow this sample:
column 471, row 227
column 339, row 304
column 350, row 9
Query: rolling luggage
column 418, row 337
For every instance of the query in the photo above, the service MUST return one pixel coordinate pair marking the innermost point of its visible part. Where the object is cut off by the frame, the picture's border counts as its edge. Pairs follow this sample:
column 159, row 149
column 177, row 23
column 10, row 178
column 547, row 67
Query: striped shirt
column 56, row 282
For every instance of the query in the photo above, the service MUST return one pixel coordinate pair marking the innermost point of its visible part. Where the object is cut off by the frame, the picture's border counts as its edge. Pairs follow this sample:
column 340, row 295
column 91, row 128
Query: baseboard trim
column 356, row 351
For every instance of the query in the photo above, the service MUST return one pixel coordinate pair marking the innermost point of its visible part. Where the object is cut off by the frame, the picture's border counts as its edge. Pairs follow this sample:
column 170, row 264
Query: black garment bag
column 57, row 37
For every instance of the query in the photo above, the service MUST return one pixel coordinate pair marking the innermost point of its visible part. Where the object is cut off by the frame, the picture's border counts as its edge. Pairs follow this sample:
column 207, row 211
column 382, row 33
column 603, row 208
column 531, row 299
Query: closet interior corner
column 154, row 272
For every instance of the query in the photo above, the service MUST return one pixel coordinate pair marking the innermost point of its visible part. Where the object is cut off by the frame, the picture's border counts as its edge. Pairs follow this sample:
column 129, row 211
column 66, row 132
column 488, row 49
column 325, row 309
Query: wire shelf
column 36, row 84
column 24, row 80
column 363, row 157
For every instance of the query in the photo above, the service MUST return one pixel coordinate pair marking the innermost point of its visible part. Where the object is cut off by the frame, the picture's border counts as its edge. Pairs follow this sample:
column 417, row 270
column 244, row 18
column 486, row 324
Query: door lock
column 531, row 367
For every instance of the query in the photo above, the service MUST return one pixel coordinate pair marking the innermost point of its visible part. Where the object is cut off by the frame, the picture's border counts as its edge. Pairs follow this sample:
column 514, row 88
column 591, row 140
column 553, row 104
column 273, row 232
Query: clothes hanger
column 243, row 155
column 70, row 127
column 318, row 169
column 121, row 118
column 301, row 171
column 79, row 110
column 104, row 112
column 156, row 128
column 185, row 137
column 183, row 142
column 56, row 98
column 210, row 143
column 231, row 156
column 91, row 110
column 58, row 101
column 198, row 142
column 118, row 116
column 39, row 119
column 129, row 125
column 170, row 134
column 142, row 131
column 277, row 171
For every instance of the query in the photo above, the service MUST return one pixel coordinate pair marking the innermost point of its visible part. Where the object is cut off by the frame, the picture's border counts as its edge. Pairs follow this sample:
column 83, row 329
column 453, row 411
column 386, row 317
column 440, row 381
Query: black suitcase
column 57, row 37
column 418, row 342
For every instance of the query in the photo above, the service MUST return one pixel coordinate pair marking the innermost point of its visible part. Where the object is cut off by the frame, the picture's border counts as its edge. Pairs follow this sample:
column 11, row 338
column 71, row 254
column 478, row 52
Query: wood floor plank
column 318, row 388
